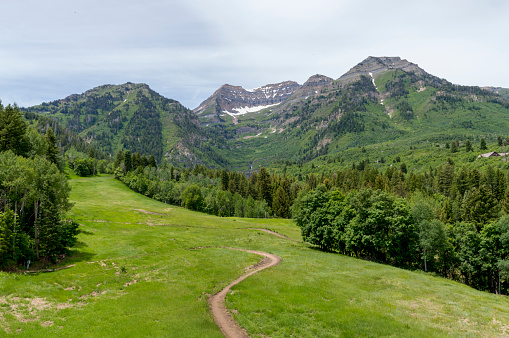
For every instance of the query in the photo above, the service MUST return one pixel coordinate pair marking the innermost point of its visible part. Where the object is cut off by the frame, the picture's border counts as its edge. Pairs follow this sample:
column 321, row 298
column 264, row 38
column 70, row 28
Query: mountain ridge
column 381, row 99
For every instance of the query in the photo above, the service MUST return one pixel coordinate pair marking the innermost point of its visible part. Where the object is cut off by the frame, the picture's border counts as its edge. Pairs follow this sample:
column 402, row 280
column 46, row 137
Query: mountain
column 134, row 117
column 235, row 100
column 381, row 107
column 379, row 102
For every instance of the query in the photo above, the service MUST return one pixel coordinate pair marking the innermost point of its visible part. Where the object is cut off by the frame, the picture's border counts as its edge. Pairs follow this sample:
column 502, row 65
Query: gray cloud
column 187, row 49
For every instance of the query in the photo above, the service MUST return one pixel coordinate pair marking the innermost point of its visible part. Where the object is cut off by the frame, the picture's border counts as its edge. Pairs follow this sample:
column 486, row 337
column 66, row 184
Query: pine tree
column 52, row 151
column 118, row 159
column 454, row 147
column 468, row 146
column 152, row 161
column 13, row 131
column 483, row 144
column 264, row 186
column 281, row 203
column 128, row 165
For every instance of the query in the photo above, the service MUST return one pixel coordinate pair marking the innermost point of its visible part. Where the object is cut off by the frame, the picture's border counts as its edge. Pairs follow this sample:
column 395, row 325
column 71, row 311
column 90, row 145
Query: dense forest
column 34, row 194
column 446, row 221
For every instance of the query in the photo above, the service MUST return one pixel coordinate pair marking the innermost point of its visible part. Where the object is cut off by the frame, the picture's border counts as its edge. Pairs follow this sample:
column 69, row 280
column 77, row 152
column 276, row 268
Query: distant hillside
column 380, row 100
column 133, row 117
column 378, row 108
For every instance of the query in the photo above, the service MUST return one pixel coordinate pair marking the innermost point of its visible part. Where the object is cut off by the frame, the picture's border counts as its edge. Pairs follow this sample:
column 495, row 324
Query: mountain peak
column 234, row 99
column 373, row 65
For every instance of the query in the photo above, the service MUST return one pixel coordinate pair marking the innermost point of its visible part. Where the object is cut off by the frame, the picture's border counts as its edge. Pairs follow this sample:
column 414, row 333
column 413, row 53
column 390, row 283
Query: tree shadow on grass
column 76, row 256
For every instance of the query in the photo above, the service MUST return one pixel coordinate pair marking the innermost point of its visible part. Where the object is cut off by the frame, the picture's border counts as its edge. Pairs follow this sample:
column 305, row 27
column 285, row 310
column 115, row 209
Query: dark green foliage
column 84, row 166
column 13, row 131
column 38, row 193
column 468, row 146
column 483, row 144
column 281, row 203
column 479, row 206
column 192, row 198
column 264, row 185
column 405, row 110
column 454, row 147
column 370, row 224
column 201, row 189
column 128, row 164
column 33, row 194
column 143, row 133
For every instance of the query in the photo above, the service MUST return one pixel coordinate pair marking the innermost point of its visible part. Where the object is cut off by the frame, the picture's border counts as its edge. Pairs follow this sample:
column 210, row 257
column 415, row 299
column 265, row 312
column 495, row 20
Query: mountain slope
column 378, row 108
column 235, row 100
column 380, row 100
column 133, row 117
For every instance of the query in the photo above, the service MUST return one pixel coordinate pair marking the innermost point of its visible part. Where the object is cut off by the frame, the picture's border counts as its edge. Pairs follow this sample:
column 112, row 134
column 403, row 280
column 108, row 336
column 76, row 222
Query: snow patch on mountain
column 245, row 110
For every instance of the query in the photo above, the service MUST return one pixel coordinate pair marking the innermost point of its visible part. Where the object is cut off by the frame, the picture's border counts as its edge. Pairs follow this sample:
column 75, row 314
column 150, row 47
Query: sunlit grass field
column 144, row 268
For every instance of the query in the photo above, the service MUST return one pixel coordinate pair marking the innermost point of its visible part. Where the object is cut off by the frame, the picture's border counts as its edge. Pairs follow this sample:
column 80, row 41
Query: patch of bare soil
column 272, row 233
column 150, row 212
column 222, row 316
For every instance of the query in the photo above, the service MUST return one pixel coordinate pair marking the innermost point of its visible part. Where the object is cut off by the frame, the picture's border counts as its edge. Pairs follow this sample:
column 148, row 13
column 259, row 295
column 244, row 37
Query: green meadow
column 143, row 268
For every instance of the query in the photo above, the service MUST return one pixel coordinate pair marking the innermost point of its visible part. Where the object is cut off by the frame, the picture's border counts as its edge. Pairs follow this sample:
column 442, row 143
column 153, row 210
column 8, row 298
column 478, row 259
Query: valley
column 381, row 165
column 146, row 268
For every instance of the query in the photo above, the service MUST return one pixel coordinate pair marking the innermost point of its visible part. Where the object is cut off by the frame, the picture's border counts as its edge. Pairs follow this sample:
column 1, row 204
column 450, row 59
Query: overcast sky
column 186, row 49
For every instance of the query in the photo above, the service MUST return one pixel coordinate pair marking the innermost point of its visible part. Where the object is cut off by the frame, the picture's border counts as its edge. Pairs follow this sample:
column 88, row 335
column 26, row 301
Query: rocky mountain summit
column 373, row 66
column 236, row 100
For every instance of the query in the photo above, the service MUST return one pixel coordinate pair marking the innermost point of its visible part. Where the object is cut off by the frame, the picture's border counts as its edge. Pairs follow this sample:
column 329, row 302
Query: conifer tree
column 483, row 144
column 118, row 159
column 264, row 186
column 52, row 151
column 454, row 147
column 128, row 165
column 13, row 131
column 281, row 203
column 468, row 146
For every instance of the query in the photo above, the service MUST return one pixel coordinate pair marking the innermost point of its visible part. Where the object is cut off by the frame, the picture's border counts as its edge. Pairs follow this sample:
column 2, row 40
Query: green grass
column 178, row 257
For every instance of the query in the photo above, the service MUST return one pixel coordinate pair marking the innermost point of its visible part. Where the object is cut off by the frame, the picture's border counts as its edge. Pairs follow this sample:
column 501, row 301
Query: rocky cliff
column 235, row 99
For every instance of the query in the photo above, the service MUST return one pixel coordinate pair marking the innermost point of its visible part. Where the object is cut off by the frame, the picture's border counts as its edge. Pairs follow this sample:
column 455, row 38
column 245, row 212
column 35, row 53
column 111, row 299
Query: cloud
column 187, row 49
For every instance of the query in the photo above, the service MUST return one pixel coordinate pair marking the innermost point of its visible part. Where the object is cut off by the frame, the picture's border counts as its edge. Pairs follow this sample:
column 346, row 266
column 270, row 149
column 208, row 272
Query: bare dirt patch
column 222, row 316
column 29, row 309
column 150, row 212
column 272, row 233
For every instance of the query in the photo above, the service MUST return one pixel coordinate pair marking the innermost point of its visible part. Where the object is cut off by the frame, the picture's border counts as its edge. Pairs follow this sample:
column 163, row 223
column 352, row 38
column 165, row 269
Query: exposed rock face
column 378, row 65
column 313, row 85
column 233, row 98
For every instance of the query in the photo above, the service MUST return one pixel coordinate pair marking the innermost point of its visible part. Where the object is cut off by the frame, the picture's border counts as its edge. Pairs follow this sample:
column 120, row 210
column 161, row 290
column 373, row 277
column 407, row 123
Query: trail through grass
column 144, row 268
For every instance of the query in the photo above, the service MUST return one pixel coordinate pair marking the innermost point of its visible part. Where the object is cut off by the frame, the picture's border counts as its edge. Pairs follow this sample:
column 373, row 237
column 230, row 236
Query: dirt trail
column 222, row 316
column 272, row 233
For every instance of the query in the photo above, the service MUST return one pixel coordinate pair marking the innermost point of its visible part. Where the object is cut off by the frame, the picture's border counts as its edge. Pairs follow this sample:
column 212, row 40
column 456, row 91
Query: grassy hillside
column 143, row 268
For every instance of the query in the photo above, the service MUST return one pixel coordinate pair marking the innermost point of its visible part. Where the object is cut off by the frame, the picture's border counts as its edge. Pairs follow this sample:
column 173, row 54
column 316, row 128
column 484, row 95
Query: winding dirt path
column 222, row 316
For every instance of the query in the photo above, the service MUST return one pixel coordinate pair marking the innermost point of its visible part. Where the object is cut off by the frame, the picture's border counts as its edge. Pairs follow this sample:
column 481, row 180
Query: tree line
column 34, row 194
column 450, row 222
column 214, row 191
